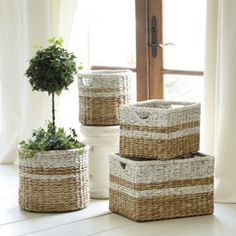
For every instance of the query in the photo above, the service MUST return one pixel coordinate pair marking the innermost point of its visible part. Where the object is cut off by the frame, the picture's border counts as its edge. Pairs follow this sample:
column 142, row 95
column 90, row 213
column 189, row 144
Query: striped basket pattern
column 101, row 92
column 153, row 189
column 54, row 181
column 159, row 129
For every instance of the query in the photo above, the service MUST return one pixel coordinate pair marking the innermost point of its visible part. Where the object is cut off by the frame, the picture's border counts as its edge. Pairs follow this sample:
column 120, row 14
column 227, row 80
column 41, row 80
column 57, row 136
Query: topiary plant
column 52, row 69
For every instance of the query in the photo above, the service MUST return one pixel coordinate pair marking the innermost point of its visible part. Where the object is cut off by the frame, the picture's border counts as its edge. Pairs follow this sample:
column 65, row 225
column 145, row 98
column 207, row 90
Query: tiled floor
column 96, row 219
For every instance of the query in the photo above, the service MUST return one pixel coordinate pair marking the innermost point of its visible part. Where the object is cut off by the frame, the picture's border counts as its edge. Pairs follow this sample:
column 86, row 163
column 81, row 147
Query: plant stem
column 53, row 112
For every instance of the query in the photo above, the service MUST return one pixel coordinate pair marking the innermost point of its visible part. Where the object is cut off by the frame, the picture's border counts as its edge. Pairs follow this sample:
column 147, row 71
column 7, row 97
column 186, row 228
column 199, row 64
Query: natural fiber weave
column 159, row 129
column 54, row 181
column 100, row 95
column 150, row 190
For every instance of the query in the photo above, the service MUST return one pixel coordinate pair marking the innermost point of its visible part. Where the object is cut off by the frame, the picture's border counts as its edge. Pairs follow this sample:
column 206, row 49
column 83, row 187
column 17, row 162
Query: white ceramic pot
column 102, row 141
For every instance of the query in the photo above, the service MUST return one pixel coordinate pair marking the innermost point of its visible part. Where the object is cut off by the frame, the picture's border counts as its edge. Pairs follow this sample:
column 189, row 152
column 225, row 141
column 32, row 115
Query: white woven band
column 163, row 192
column 56, row 159
column 50, row 177
column 157, row 136
column 159, row 171
column 103, row 94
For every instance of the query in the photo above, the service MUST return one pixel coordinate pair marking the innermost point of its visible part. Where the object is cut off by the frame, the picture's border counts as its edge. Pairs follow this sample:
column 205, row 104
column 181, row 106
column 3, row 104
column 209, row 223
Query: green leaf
column 81, row 66
column 36, row 46
column 58, row 92
column 60, row 40
column 52, row 40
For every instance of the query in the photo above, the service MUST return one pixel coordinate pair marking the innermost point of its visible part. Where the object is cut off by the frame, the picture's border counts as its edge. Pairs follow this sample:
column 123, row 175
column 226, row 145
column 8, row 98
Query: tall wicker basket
column 158, row 129
column 144, row 190
column 101, row 92
column 54, row 181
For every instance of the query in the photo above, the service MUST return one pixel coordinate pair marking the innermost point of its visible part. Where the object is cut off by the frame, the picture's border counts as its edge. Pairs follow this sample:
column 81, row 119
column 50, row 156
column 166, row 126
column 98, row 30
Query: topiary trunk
column 53, row 112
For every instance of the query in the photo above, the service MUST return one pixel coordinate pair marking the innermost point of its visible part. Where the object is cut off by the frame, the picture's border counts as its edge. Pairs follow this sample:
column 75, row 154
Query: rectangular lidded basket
column 54, row 181
column 155, row 189
column 159, row 129
column 100, row 95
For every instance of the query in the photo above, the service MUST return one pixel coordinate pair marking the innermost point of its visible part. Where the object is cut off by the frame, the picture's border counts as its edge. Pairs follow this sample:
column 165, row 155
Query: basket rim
column 85, row 147
column 144, row 162
column 58, row 157
column 142, row 106
column 103, row 73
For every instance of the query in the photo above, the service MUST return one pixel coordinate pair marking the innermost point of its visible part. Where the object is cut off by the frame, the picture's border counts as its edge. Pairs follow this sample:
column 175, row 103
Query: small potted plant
column 53, row 165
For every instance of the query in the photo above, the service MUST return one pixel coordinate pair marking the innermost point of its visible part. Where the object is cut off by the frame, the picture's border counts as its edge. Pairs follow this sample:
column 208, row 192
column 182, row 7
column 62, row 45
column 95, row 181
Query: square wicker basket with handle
column 158, row 129
column 144, row 190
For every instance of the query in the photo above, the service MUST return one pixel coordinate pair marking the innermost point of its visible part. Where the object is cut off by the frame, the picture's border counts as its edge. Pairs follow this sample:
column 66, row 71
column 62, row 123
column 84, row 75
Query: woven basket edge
column 200, row 156
column 136, row 107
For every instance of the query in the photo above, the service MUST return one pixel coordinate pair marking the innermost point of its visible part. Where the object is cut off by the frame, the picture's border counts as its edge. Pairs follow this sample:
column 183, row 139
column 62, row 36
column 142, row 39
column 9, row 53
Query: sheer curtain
column 75, row 31
column 220, row 95
column 22, row 24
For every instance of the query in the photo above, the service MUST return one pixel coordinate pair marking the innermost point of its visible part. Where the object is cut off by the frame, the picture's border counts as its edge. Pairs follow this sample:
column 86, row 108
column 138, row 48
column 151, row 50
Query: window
column 121, row 35
column 176, row 71
column 112, row 33
column 184, row 26
column 112, row 38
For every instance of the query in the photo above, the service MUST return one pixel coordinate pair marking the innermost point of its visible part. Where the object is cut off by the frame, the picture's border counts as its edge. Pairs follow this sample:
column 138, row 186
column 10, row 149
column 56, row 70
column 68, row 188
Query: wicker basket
column 159, row 129
column 54, row 181
column 154, row 189
column 100, row 95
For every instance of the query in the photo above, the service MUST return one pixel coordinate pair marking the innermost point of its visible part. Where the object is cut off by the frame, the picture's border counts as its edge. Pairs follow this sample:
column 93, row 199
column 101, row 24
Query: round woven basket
column 101, row 92
column 54, row 181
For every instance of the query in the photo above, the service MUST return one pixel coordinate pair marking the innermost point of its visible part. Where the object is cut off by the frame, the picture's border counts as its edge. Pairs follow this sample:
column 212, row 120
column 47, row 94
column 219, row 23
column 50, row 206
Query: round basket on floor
column 54, row 181
column 101, row 92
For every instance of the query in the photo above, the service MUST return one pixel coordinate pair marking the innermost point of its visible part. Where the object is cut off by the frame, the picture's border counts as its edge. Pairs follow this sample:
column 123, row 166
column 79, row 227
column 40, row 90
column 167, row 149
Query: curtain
column 219, row 136
column 75, row 31
column 22, row 24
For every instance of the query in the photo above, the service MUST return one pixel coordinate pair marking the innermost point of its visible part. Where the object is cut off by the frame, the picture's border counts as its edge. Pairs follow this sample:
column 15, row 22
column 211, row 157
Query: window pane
column 112, row 33
column 184, row 25
column 183, row 88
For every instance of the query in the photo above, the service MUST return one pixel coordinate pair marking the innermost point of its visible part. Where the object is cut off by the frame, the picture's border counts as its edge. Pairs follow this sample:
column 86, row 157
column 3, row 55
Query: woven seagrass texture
column 150, row 190
column 100, row 95
column 54, row 181
column 158, row 129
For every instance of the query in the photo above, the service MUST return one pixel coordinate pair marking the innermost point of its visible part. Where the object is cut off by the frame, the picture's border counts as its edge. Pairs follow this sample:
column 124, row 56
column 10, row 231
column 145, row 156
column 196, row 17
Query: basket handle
column 200, row 154
column 143, row 114
column 123, row 165
column 85, row 82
